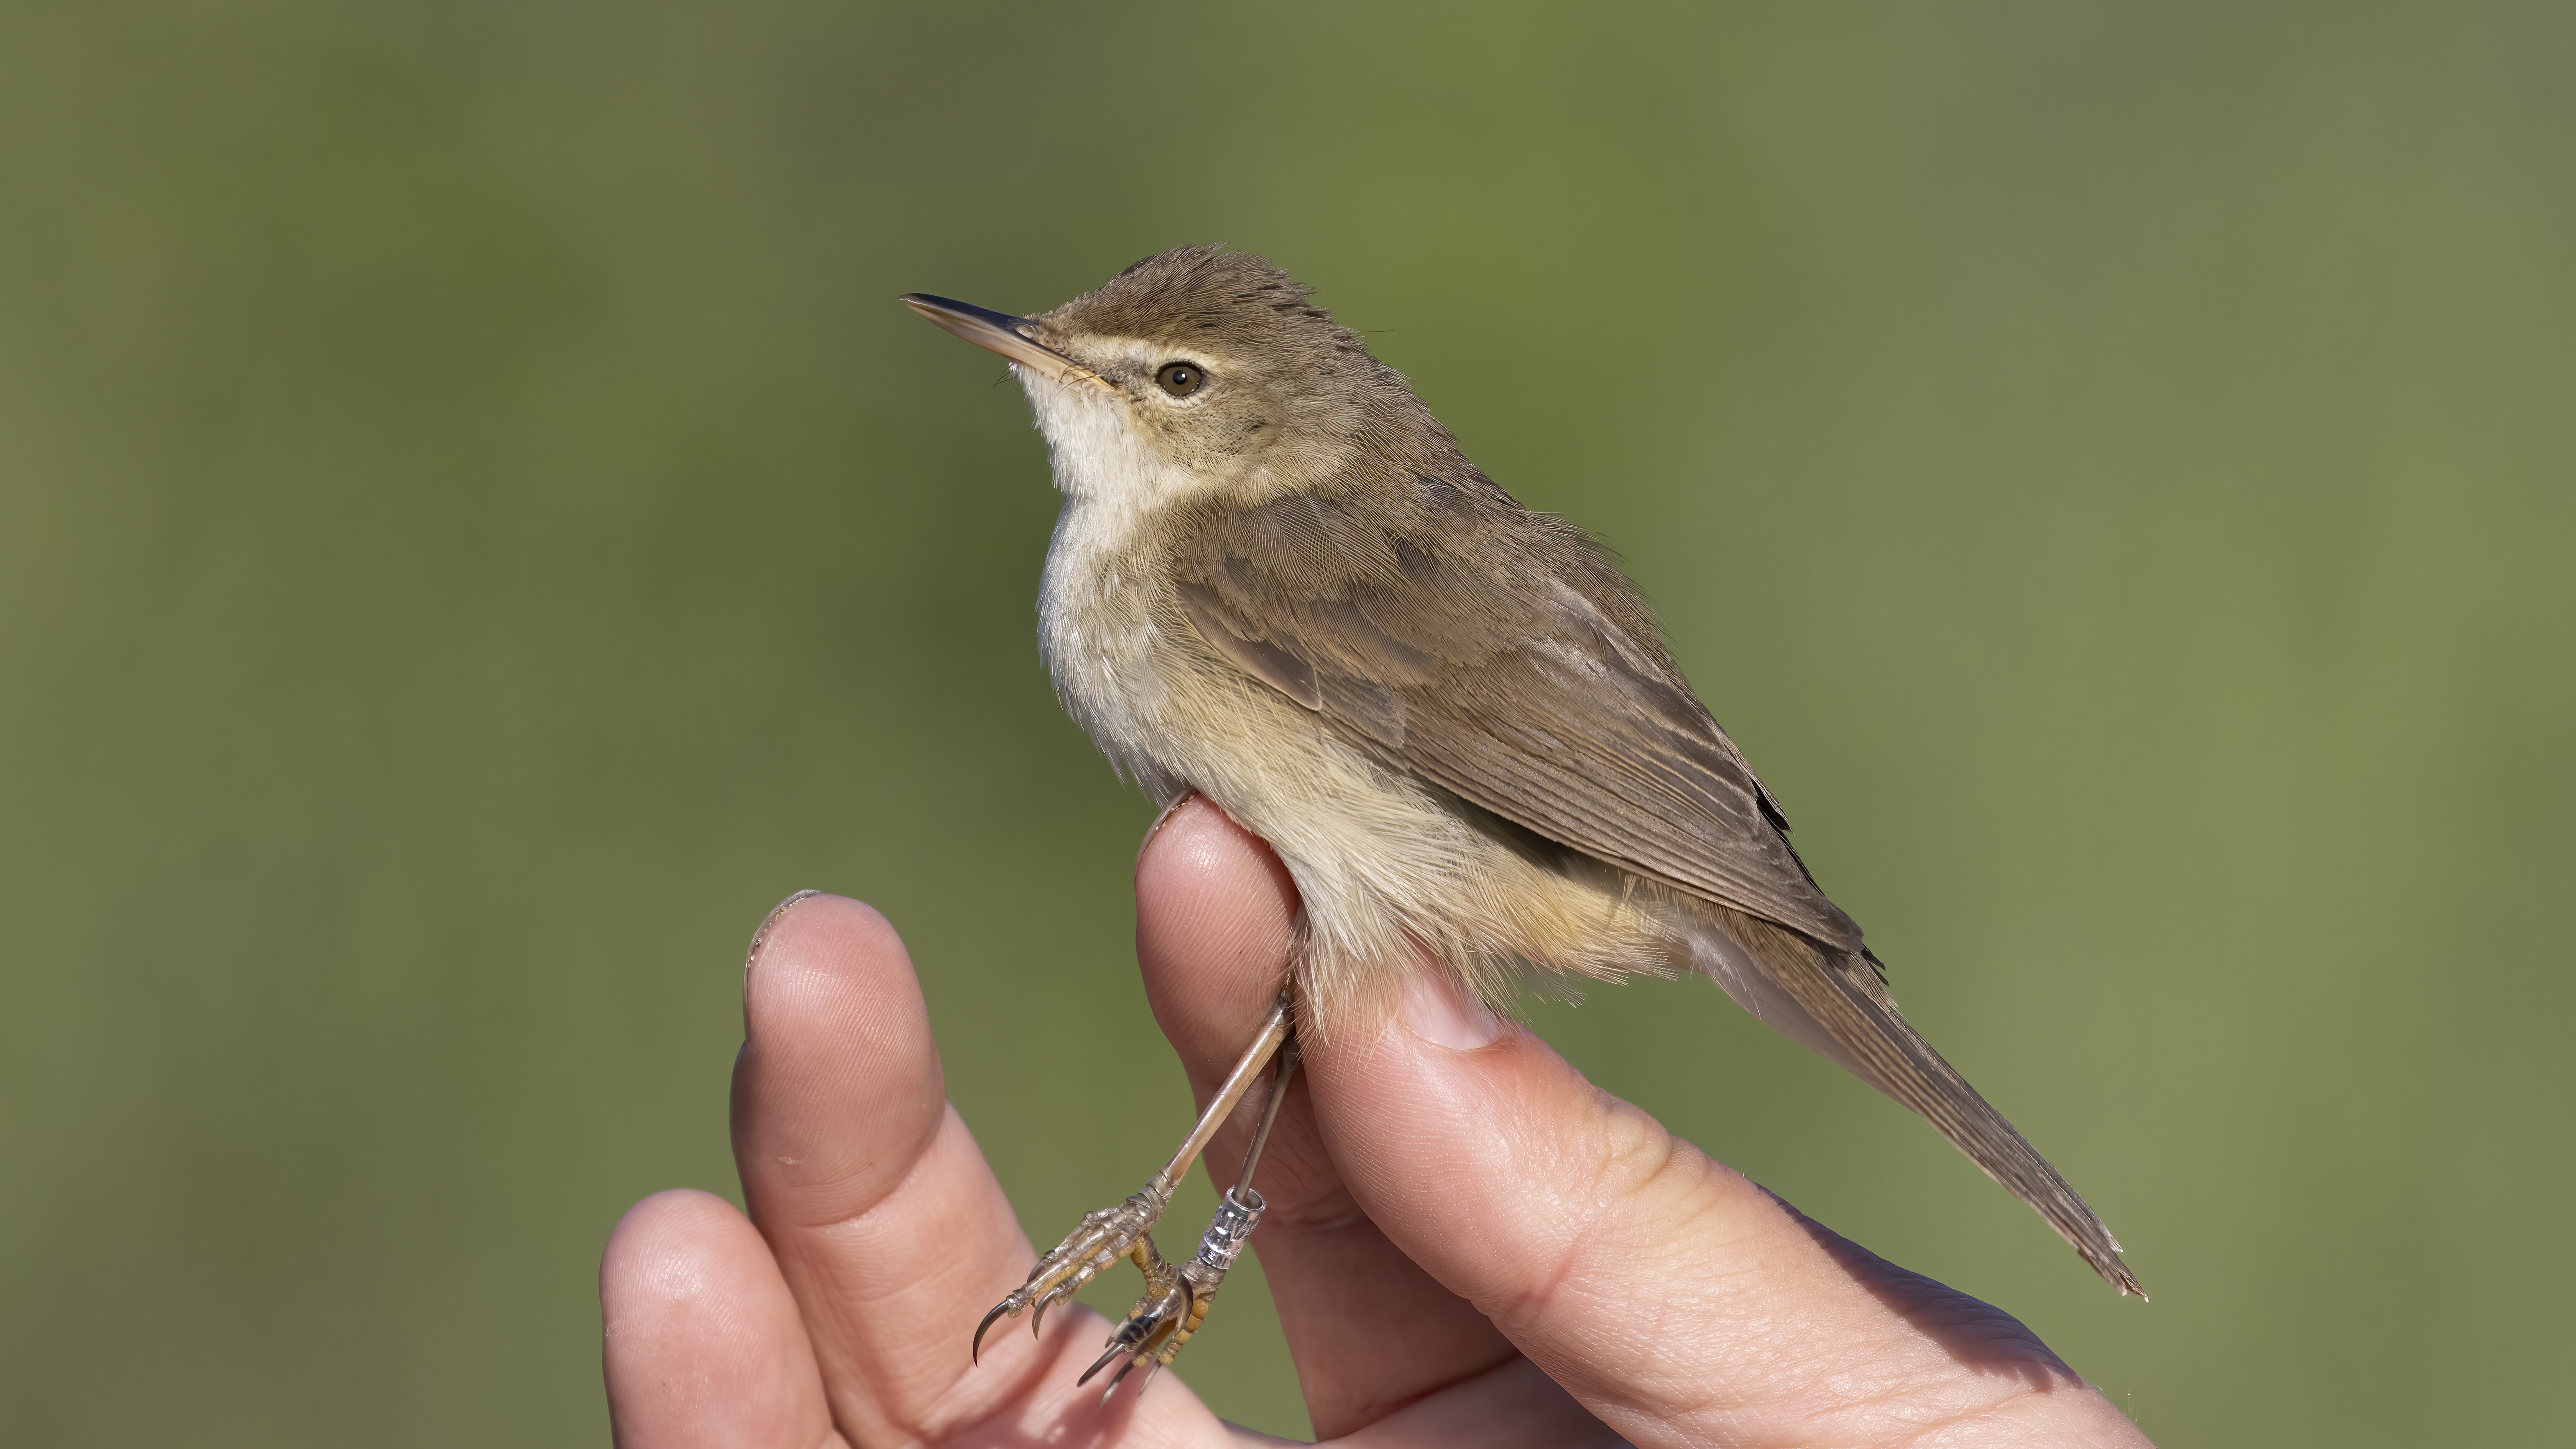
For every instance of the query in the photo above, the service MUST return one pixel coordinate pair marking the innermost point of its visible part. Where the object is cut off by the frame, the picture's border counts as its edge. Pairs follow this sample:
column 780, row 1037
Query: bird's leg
column 1176, row 1300
column 1109, row 1234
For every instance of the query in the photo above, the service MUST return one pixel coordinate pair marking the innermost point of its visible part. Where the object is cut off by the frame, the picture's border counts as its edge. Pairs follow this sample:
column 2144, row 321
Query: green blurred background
column 475, row 530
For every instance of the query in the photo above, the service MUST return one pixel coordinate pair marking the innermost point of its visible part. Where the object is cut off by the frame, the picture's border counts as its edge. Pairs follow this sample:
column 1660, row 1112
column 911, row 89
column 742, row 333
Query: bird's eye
column 1180, row 379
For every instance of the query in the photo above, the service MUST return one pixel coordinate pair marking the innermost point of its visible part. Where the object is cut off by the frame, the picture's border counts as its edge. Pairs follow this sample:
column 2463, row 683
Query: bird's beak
column 1000, row 332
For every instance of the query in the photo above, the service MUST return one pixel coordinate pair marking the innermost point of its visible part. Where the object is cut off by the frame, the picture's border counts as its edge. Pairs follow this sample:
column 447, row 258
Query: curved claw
column 1154, row 1328
column 1115, row 1350
column 1102, row 1239
column 975, row 1353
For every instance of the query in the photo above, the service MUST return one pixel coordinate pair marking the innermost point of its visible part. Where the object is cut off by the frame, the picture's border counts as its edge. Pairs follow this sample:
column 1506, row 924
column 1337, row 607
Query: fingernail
column 768, row 924
column 1438, row 1012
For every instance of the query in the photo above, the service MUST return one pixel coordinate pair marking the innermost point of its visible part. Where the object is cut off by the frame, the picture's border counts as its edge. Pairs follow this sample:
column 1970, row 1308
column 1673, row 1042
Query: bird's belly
column 1393, row 872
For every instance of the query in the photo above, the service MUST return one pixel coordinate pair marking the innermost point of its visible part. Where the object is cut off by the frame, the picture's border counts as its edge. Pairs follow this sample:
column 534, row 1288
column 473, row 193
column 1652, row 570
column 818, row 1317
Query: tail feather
column 1834, row 1001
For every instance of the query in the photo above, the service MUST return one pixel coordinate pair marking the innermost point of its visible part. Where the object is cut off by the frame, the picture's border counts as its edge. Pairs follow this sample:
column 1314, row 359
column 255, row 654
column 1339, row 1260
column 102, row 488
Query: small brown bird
column 1278, row 583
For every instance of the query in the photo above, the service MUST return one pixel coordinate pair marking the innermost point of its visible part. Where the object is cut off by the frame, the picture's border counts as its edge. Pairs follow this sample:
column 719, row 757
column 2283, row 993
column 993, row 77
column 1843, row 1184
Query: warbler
column 1278, row 583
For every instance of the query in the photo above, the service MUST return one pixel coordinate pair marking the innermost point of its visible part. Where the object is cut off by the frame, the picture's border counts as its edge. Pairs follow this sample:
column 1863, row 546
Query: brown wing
column 1496, row 653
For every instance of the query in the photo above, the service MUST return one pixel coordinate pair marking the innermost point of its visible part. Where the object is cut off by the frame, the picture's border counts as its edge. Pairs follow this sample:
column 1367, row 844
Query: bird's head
column 1197, row 374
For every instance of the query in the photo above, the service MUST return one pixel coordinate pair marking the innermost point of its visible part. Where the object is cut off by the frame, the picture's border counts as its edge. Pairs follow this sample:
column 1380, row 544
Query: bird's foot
column 1176, row 1300
column 1103, row 1238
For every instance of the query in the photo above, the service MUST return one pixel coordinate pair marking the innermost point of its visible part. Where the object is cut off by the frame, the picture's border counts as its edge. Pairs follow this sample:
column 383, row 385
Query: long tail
column 1834, row 1002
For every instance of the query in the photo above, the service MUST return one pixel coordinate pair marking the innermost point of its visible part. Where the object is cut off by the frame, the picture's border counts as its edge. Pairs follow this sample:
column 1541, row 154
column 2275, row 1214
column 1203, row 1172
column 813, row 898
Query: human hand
column 1467, row 1242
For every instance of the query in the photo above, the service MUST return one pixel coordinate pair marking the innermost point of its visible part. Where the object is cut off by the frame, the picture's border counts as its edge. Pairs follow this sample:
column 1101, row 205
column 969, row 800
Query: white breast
column 1097, row 633
column 1095, row 624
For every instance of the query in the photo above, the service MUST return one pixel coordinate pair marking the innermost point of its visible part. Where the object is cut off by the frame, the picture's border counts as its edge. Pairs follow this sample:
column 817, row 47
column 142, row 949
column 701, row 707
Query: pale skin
column 1467, row 1242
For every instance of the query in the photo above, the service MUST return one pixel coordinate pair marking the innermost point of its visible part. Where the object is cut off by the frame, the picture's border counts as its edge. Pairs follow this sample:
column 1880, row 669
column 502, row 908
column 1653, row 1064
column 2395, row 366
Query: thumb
column 1674, row 1297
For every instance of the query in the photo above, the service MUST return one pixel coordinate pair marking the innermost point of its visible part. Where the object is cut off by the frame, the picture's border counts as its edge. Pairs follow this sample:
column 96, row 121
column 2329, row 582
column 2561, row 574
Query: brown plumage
column 1286, row 588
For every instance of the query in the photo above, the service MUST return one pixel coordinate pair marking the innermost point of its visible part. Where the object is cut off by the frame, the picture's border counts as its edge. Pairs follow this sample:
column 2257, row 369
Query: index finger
column 1369, row 1330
